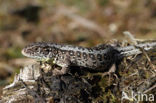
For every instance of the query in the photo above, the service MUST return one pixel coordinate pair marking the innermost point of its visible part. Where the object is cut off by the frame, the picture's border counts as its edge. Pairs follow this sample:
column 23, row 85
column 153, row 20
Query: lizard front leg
column 63, row 70
column 65, row 67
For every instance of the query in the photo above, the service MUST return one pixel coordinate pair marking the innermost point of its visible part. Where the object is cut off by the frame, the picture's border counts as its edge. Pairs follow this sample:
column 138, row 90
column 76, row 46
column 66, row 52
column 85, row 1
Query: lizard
column 98, row 58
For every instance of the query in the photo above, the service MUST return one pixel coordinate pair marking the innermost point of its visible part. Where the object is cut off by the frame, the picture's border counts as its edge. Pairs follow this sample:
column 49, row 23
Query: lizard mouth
column 24, row 52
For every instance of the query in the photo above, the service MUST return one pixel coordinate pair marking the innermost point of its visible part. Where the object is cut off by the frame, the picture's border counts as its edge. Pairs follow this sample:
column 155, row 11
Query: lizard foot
column 60, row 72
column 110, row 72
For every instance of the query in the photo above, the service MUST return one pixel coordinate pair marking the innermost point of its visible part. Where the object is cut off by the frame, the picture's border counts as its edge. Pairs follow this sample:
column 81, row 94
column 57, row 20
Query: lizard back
column 95, row 57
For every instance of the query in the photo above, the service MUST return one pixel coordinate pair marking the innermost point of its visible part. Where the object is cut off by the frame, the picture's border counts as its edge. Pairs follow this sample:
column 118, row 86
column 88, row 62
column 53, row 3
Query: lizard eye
column 35, row 48
column 46, row 51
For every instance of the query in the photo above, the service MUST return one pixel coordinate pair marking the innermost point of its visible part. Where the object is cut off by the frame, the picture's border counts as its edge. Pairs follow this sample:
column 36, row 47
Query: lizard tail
column 136, row 49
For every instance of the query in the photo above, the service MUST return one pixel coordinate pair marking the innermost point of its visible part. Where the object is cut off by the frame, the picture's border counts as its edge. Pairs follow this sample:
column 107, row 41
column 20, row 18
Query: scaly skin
column 97, row 58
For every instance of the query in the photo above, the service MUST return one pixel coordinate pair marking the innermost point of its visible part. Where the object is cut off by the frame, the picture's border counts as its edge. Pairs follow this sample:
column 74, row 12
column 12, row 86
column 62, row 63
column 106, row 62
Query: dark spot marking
column 78, row 54
column 80, row 48
column 92, row 56
column 105, row 56
column 45, row 50
column 94, row 62
column 63, row 51
column 87, row 65
column 90, row 50
column 99, row 57
column 121, row 50
column 71, row 53
column 98, row 48
column 35, row 48
column 84, row 55
column 108, row 57
column 55, row 51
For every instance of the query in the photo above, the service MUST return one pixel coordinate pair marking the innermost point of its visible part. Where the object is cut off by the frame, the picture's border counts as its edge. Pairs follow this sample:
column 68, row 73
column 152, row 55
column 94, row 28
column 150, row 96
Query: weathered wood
column 31, row 86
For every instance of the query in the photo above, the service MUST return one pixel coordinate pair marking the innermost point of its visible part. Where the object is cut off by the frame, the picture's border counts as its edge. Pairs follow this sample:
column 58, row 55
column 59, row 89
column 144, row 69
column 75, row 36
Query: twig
column 154, row 86
column 148, row 59
column 130, row 37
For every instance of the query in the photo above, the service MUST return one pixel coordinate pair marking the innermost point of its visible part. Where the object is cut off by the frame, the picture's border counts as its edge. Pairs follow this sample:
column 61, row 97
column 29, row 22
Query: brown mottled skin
column 96, row 58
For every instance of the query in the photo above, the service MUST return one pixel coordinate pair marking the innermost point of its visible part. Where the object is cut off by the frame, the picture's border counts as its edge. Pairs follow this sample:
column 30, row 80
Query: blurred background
column 77, row 22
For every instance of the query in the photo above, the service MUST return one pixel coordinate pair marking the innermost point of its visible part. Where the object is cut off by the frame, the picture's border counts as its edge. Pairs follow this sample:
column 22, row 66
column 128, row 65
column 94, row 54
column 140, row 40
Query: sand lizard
column 97, row 58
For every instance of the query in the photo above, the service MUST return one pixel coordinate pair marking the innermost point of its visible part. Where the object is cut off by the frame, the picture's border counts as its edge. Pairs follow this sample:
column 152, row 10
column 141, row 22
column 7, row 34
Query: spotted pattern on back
column 84, row 55
column 71, row 53
column 93, row 58
column 78, row 53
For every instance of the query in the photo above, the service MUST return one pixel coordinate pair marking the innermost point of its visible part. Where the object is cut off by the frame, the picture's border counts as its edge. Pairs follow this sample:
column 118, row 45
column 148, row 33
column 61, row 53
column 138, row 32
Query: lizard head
column 41, row 51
